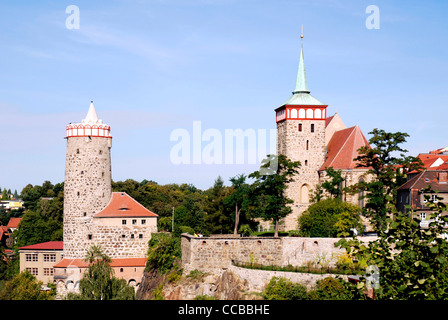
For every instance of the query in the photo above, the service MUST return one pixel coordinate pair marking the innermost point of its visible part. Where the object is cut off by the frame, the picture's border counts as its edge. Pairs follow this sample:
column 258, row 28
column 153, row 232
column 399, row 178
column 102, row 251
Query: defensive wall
column 218, row 252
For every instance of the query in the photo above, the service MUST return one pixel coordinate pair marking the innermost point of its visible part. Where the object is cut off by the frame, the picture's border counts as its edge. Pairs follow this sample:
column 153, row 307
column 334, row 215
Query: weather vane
column 301, row 36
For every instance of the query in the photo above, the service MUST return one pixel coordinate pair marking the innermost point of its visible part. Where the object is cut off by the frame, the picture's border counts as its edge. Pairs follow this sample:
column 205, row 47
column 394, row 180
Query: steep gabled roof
column 343, row 148
column 122, row 205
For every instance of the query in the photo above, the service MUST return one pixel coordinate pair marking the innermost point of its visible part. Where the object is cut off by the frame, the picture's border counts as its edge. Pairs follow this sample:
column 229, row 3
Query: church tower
column 301, row 137
column 88, row 184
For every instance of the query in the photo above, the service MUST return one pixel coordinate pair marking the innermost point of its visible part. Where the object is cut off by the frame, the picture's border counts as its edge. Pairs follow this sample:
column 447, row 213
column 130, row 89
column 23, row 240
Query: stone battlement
column 208, row 253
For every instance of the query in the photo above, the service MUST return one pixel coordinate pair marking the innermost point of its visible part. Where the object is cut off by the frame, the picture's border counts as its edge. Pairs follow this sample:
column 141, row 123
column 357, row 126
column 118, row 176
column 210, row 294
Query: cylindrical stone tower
column 88, row 183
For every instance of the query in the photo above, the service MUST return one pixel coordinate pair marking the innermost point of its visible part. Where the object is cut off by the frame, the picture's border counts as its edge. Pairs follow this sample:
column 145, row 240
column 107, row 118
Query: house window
column 134, row 221
column 33, row 271
column 143, row 221
column 423, row 216
column 312, row 127
column 121, row 269
column 300, row 127
column 132, row 236
column 48, row 271
column 140, row 236
column 49, row 257
column 123, row 222
column 89, row 236
column 32, row 257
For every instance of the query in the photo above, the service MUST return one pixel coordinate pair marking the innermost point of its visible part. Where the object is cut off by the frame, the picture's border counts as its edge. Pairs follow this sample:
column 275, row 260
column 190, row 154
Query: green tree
column 333, row 185
column 164, row 250
column 238, row 198
column 412, row 261
column 331, row 288
column 98, row 281
column 268, row 189
column 388, row 171
column 330, row 218
column 24, row 286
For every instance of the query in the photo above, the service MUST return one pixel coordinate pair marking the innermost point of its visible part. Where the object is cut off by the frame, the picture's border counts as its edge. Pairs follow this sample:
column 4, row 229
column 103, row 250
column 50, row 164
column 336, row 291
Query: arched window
column 309, row 114
column 318, row 114
column 302, row 113
column 305, row 194
column 294, row 113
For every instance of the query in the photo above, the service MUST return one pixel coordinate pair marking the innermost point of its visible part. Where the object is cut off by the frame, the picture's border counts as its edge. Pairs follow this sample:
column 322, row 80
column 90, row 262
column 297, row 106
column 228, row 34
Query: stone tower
column 301, row 137
column 88, row 187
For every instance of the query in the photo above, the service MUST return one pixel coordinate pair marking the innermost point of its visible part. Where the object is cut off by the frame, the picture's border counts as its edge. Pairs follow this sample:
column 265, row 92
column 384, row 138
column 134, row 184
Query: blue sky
column 152, row 67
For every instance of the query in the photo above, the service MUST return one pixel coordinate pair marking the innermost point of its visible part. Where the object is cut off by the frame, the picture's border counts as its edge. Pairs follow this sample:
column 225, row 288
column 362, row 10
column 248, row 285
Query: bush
column 331, row 288
column 164, row 250
column 280, row 288
column 329, row 218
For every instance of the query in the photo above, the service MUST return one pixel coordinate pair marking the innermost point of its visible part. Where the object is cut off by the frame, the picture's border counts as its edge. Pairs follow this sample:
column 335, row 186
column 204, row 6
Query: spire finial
column 301, row 83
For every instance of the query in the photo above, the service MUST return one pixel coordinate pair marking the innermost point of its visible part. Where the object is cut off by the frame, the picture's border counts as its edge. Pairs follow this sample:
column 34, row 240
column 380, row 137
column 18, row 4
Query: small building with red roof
column 39, row 259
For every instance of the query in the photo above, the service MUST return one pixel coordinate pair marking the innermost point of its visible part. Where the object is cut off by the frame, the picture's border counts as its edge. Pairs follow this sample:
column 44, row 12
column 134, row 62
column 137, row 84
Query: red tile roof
column 3, row 231
column 343, row 148
column 50, row 245
column 81, row 263
column 429, row 159
column 122, row 205
column 13, row 223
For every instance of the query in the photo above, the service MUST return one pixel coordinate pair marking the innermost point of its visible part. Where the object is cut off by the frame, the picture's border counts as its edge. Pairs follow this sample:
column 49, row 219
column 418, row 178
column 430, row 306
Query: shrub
column 280, row 288
column 331, row 288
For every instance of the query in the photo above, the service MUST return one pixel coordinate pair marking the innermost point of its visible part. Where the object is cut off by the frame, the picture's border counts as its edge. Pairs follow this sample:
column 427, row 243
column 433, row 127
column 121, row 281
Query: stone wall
column 204, row 253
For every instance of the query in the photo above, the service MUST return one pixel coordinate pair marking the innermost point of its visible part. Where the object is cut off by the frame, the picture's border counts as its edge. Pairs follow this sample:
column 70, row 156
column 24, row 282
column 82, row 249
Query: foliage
column 412, row 261
column 280, row 288
column 98, row 281
column 329, row 218
column 268, row 189
column 333, row 185
column 389, row 173
column 44, row 221
column 238, row 198
column 164, row 250
column 331, row 288
column 24, row 286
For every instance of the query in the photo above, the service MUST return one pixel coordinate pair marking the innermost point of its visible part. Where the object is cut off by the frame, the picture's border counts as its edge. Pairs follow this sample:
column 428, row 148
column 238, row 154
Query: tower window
column 77, row 193
column 306, row 162
column 312, row 127
column 307, row 144
column 140, row 236
column 101, row 151
column 132, row 236
column 89, row 237
column 77, row 151
column 85, row 214
column 300, row 127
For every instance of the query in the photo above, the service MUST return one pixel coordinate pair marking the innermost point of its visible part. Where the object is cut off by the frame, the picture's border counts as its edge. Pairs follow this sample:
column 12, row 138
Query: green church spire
column 301, row 84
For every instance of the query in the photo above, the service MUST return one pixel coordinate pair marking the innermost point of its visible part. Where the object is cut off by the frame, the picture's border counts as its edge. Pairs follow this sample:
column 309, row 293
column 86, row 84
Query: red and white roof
column 91, row 126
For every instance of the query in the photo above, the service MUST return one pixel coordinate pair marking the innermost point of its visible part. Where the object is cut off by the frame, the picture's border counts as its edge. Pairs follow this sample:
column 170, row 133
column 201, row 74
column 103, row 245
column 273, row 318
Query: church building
column 307, row 134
